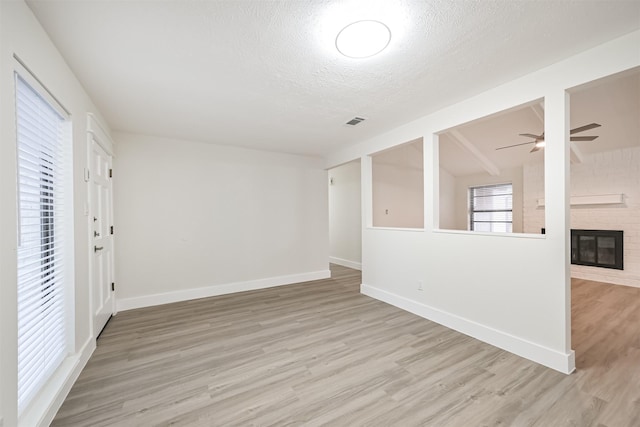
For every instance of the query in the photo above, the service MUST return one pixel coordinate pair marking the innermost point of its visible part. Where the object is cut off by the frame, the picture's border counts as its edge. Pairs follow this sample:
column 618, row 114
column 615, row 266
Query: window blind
column 41, row 135
column 491, row 208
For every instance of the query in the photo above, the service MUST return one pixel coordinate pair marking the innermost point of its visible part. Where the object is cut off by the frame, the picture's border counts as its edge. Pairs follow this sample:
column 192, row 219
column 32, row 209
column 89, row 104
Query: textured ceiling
column 266, row 74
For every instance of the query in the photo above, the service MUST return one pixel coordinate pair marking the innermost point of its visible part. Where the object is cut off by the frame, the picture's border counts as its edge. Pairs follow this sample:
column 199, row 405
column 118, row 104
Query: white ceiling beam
column 538, row 110
column 576, row 155
column 482, row 160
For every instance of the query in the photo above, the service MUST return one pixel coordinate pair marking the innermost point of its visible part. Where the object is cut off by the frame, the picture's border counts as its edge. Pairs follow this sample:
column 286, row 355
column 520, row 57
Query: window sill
column 396, row 229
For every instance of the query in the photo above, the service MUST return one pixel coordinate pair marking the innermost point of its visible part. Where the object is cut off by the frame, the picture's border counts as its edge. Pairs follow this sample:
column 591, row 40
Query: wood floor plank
column 322, row 354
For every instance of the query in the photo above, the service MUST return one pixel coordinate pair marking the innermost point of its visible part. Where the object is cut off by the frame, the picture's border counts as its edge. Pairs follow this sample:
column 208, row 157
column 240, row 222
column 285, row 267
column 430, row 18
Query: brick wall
column 533, row 189
column 611, row 172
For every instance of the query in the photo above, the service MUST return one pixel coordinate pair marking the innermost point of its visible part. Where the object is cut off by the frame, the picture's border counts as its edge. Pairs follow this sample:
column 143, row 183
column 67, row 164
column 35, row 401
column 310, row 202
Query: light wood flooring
column 321, row 353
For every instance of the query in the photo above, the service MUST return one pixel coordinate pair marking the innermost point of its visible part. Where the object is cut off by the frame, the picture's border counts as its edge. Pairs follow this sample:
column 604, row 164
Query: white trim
column 101, row 136
column 553, row 359
column 45, row 406
column 345, row 263
column 210, row 291
column 415, row 230
column 32, row 79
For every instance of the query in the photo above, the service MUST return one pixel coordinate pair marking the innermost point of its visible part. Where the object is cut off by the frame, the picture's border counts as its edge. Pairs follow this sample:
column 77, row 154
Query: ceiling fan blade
column 530, row 135
column 515, row 145
column 585, row 127
column 535, row 148
column 583, row 138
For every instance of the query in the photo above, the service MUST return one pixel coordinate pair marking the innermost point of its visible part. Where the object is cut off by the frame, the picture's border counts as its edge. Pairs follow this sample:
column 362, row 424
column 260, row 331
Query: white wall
column 195, row 220
column 602, row 173
column 448, row 201
column 519, row 307
column 398, row 187
column 345, row 218
column 21, row 34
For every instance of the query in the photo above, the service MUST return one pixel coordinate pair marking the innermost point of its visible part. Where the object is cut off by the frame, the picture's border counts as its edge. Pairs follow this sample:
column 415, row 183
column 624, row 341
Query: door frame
column 97, row 133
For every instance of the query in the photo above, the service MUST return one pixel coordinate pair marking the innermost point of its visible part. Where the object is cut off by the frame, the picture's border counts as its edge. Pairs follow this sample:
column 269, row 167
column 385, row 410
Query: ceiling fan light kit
column 538, row 140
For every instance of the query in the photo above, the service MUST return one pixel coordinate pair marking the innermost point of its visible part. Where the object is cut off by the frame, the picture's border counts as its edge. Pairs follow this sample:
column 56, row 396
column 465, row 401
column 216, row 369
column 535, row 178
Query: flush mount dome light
column 363, row 39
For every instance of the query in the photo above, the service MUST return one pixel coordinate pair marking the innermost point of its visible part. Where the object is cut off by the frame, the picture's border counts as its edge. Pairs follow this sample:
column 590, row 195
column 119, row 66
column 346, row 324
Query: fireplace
column 597, row 248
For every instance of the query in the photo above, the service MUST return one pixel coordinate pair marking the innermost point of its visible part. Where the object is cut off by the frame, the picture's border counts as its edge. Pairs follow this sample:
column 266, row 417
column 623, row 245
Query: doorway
column 345, row 217
column 605, row 216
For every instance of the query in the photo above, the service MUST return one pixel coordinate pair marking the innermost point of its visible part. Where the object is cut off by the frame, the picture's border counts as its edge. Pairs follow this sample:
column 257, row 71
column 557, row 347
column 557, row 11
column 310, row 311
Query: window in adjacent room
column 43, row 148
column 491, row 208
column 478, row 155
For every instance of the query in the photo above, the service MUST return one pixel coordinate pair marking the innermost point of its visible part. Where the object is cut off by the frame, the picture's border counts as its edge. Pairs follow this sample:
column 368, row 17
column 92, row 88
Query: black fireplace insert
column 597, row 248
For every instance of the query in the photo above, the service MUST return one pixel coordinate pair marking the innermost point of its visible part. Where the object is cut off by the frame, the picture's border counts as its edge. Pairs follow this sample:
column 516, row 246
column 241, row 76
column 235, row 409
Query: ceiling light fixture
column 540, row 144
column 363, row 39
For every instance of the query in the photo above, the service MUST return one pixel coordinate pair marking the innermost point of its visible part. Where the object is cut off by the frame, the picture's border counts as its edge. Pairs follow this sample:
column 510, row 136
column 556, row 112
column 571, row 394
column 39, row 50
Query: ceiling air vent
column 355, row 121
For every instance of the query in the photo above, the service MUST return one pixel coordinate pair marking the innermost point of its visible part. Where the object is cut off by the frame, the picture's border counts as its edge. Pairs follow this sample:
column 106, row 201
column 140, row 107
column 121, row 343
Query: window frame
column 63, row 217
column 471, row 211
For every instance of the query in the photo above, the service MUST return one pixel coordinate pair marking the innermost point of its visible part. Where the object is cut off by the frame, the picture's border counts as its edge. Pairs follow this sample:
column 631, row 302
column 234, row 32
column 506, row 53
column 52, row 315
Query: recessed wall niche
column 398, row 186
column 483, row 165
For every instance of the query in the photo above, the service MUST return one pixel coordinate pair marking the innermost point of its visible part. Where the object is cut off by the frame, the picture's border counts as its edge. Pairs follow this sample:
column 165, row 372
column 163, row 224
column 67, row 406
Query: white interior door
column 102, row 236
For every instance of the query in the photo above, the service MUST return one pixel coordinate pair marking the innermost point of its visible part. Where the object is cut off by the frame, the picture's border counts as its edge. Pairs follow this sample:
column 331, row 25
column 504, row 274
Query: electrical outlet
column 420, row 285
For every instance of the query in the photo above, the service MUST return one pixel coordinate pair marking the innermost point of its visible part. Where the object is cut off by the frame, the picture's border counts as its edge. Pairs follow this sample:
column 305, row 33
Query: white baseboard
column 44, row 408
column 346, row 263
column 210, row 291
column 553, row 359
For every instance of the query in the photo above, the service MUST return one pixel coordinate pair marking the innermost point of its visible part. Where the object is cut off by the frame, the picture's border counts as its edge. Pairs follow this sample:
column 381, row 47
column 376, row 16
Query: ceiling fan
column 539, row 139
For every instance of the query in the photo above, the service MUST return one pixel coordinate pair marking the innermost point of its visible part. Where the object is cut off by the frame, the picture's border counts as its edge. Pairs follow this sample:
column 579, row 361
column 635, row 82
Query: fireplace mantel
column 601, row 199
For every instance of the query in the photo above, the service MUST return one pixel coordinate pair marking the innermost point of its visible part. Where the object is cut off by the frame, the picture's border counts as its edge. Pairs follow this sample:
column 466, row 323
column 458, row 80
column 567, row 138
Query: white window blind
column 41, row 137
column 491, row 208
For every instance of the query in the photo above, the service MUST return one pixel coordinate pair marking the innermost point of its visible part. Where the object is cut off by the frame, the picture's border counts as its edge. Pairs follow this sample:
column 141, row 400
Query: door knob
column 97, row 248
